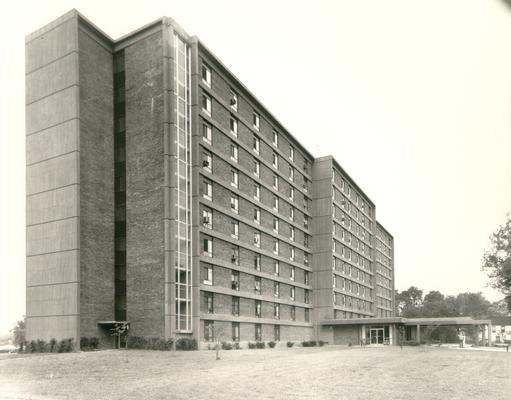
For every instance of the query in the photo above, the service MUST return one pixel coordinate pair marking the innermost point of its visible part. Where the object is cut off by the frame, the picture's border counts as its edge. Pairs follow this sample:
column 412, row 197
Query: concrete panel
column 52, row 142
column 53, row 205
column 52, row 237
column 52, row 45
column 58, row 327
column 51, row 78
column 52, row 110
column 53, row 173
column 52, row 268
column 52, row 300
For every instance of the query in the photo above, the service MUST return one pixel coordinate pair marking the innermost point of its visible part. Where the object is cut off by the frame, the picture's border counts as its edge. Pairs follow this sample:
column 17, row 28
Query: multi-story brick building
column 161, row 192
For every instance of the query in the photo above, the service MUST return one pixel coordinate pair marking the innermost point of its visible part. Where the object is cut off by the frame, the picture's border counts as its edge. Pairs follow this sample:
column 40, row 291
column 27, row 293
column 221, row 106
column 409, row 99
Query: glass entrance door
column 376, row 335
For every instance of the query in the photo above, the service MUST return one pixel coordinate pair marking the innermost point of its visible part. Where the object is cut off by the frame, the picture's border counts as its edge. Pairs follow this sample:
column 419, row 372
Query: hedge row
column 140, row 342
column 313, row 343
column 53, row 346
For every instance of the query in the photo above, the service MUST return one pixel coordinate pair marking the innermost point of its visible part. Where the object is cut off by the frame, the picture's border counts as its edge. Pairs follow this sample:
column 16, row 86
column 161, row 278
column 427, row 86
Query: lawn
column 331, row 372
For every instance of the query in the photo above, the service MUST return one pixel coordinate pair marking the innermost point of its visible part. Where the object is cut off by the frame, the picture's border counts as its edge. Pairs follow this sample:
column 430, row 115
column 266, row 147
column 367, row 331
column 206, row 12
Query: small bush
column 53, row 345
column 272, row 344
column 290, row 344
column 410, row 343
column 237, row 346
column 260, row 345
column 186, row 344
column 84, row 343
column 32, row 346
column 321, row 343
column 137, row 342
column 226, row 346
column 65, row 345
column 309, row 343
column 251, row 345
column 39, row 346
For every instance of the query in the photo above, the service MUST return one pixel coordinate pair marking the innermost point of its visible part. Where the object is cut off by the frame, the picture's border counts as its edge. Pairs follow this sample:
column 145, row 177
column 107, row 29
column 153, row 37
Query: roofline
column 383, row 228
column 350, row 179
column 263, row 108
column 407, row 321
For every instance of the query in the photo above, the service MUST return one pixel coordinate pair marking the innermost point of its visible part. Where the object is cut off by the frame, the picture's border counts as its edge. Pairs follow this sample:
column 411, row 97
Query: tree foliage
column 497, row 260
column 18, row 334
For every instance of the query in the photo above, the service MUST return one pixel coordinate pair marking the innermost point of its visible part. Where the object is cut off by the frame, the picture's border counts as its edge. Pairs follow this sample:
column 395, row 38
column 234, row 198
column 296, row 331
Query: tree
column 410, row 302
column 18, row 333
column 497, row 260
column 472, row 305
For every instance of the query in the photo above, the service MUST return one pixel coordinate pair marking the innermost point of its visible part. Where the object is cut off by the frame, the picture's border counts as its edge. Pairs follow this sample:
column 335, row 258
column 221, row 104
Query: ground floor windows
column 277, row 333
column 236, row 331
column 258, row 332
column 208, row 331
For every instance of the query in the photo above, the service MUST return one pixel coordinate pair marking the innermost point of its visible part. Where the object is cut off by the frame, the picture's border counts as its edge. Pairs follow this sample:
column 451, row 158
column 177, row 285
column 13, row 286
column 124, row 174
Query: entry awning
column 363, row 321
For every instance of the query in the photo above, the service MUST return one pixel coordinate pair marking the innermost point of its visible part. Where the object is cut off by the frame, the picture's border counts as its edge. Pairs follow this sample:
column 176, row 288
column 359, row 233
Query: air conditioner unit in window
column 233, row 101
column 234, row 259
column 233, row 205
column 205, row 163
column 205, row 220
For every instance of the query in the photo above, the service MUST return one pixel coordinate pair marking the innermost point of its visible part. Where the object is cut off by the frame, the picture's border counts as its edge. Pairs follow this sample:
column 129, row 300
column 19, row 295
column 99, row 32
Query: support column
column 363, row 334
column 490, row 338
column 391, row 328
column 418, row 336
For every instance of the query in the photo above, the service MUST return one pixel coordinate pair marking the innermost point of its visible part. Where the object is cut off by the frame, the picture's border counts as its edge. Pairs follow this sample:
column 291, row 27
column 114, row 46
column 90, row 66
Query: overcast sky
column 412, row 97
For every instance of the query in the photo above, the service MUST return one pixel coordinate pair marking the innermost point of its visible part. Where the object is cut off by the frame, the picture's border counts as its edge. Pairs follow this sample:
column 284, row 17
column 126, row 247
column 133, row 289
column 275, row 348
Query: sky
column 412, row 97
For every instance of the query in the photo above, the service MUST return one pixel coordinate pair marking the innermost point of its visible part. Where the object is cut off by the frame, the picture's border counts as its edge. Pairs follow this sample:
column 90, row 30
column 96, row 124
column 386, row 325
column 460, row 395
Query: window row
column 214, row 331
column 350, row 255
column 351, row 271
column 206, row 73
column 269, row 222
column 276, row 288
column 351, row 193
column 343, row 300
column 207, row 193
column 352, row 287
column 271, row 310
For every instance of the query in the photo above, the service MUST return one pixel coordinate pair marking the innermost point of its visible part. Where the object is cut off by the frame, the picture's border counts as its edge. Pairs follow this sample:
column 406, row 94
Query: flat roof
column 408, row 321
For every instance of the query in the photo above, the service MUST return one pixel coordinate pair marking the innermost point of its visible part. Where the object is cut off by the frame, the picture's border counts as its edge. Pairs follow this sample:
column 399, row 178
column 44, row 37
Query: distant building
column 161, row 192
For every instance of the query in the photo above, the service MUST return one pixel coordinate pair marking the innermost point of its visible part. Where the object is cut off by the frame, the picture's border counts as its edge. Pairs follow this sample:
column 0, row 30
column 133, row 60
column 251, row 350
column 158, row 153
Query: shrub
column 84, row 343
column 272, row 344
column 65, row 345
column 260, row 345
column 186, row 344
column 137, row 342
column 410, row 343
column 290, row 344
column 251, row 345
column 237, row 346
column 226, row 346
column 310, row 343
column 94, row 343
column 321, row 343
column 32, row 346
column 53, row 345
column 39, row 346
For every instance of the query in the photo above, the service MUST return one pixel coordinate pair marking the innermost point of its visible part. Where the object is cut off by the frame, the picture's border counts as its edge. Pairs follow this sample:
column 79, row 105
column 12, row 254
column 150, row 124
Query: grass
column 331, row 372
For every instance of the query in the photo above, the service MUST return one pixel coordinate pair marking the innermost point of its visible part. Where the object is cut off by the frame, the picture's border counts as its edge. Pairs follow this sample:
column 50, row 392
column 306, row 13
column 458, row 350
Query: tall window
column 234, row 126
column 207, row 218
column 292, row 272
column 256, row 144
column 234, row 229
column 291, row 173
column 206, row 104
column 306, row 277
column 293, row 313
column 257, row 239
column 234, row 178
column 257, row 191
column 291, row 153
column 291, row 193
column 208, row 331
column 257, row 285
column 207, row 274
column 276, row 331
column 234, row 151
column 258, row 332
column 275, row 138
column 234, row 100
column 235, row 306
column 276, row 289
column 275, row 225
column 276, row 310
column 292, row 233
column 207, row 189
column 258, row 308
column 275, row 203
column 292, row 293
column 307, row 318
column 255, row 120
column 235, row 258
column 207, row 247
column 276, row 247
column 206, row 160
column 235, row 280
column 275, row 160
column 292, row 255
column 257, row 215
column 276, row 268
column 234, row 203
column 256, row 168
column 235, row 331
column 257, row 262
column 206, row 75
column 208, row 299
column 206, row 133
column 275, row 182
